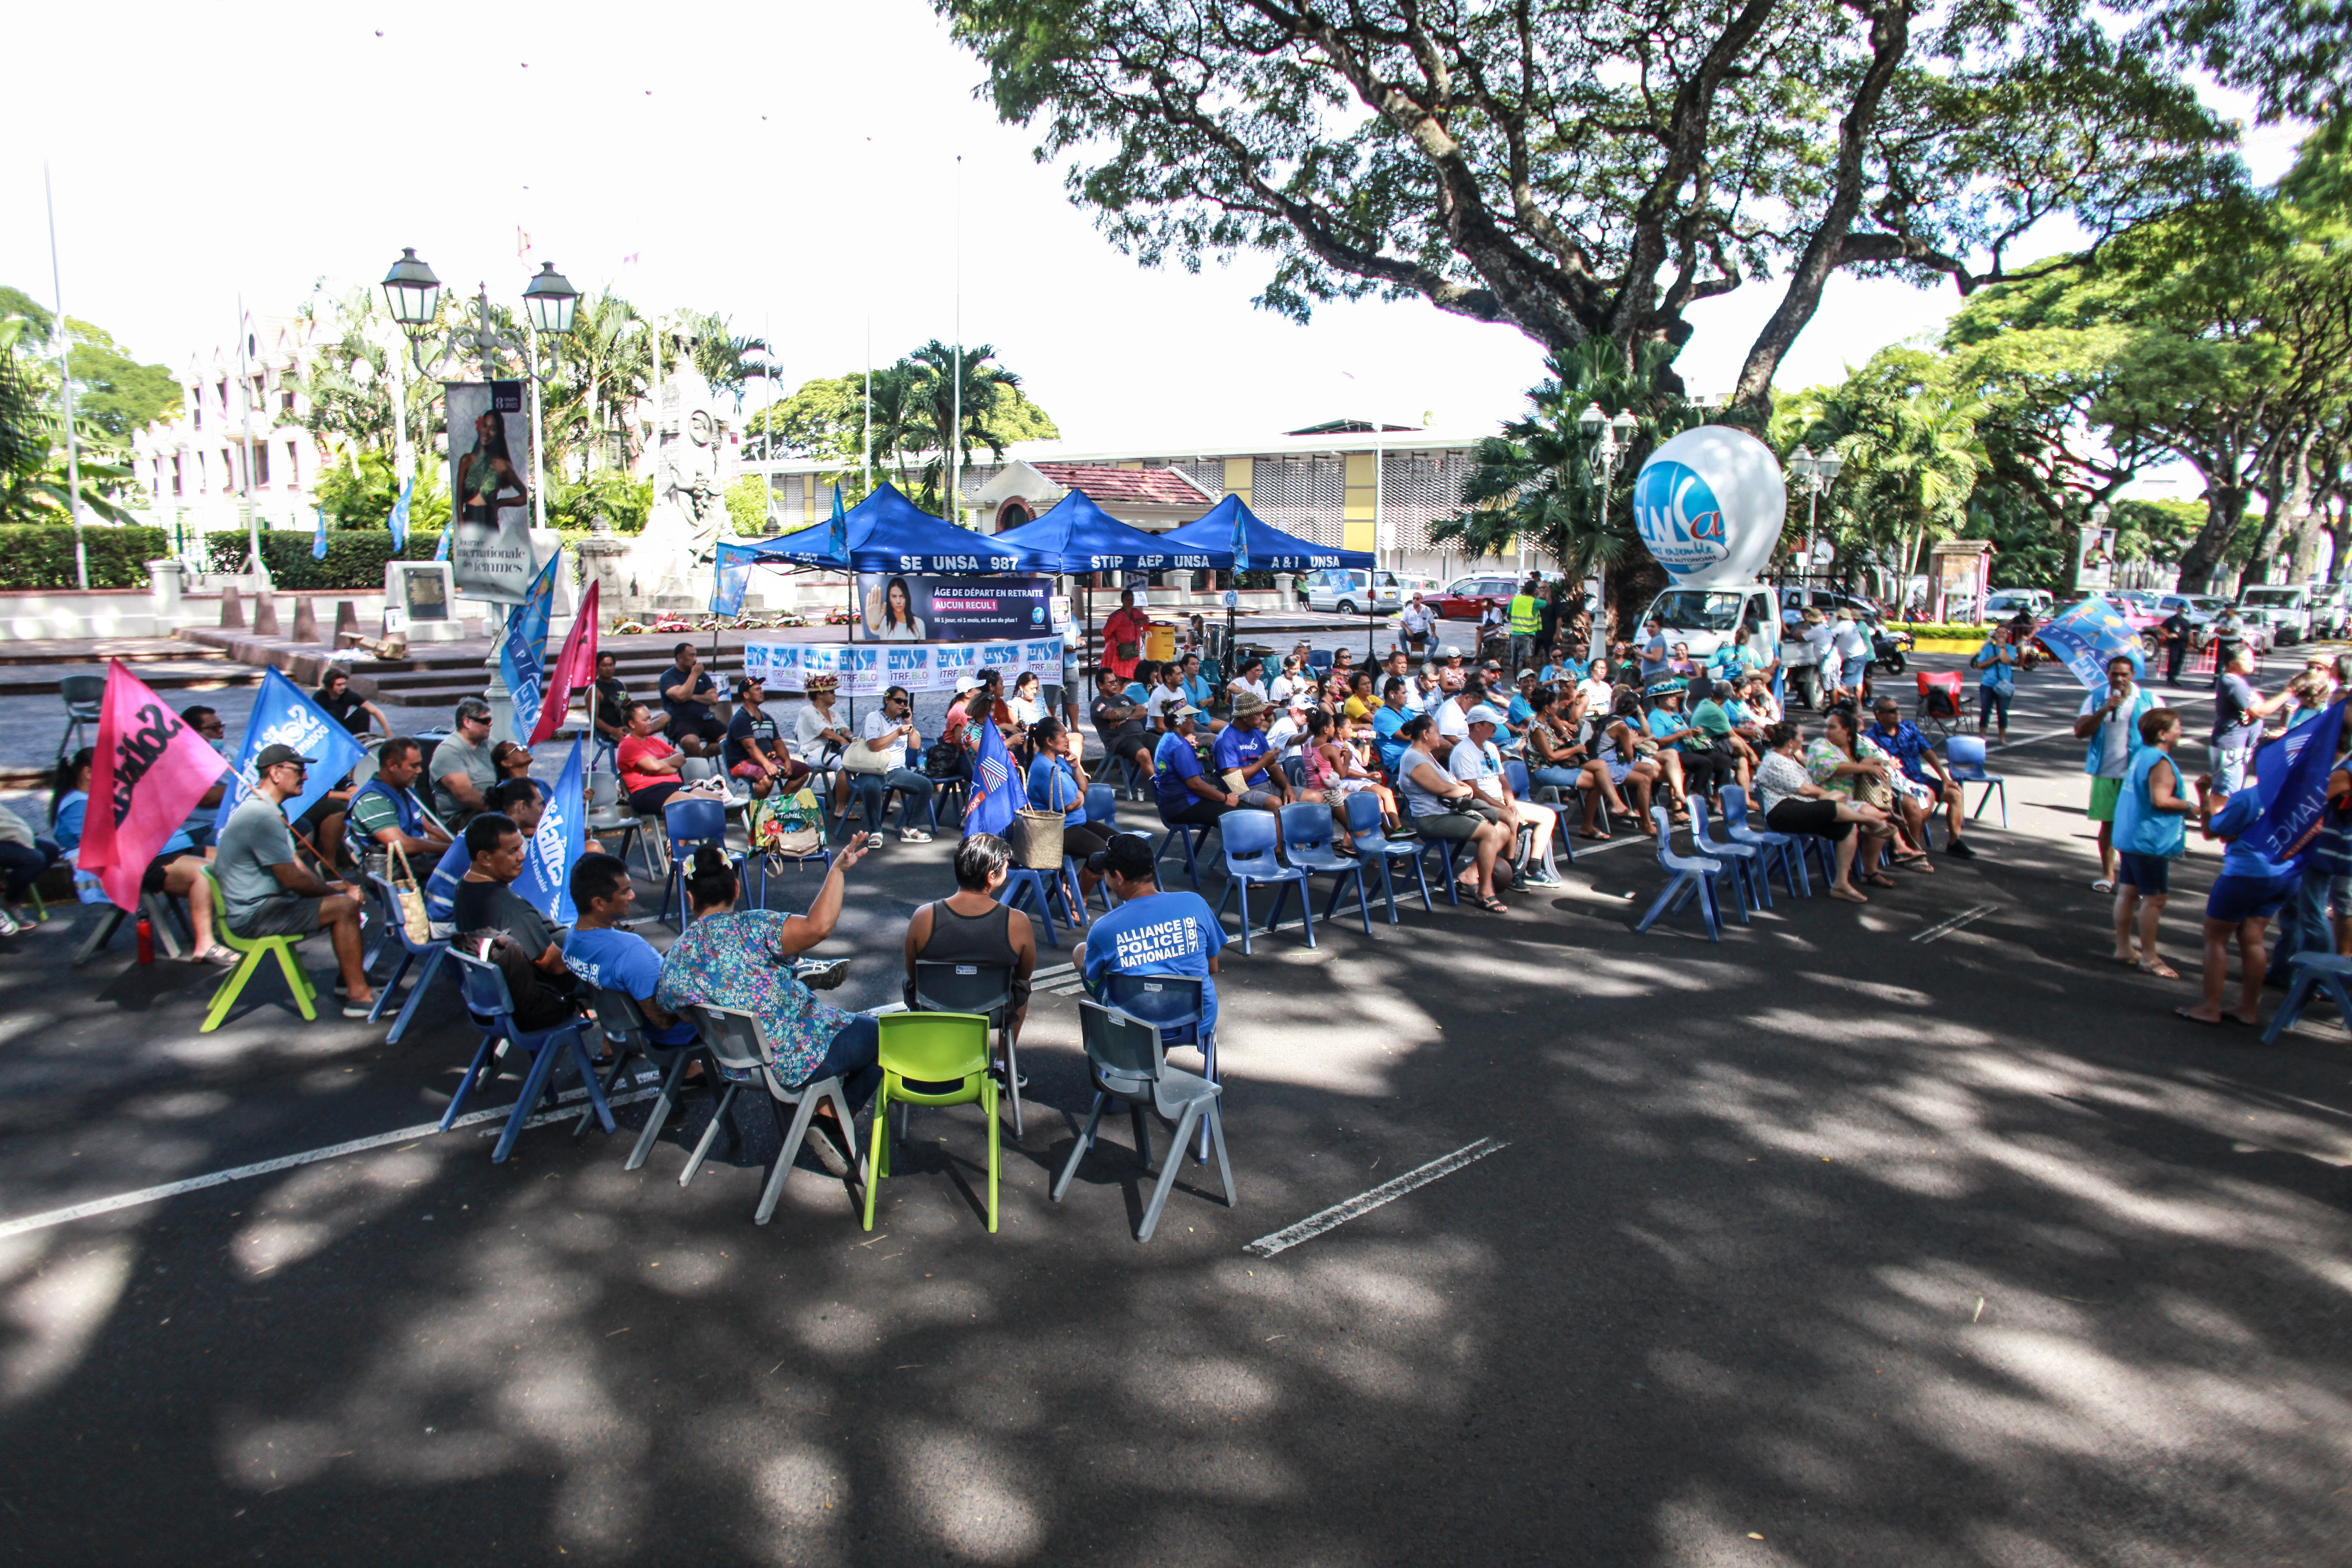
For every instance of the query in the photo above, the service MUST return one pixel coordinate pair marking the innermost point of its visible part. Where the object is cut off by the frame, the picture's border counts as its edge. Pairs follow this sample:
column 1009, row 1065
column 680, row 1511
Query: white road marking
column 287, row 1162
column 1389, row 1191
column 1974, row 912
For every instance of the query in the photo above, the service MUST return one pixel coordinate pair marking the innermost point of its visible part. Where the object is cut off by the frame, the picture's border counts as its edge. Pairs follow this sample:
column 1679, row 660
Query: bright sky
column 789, row 163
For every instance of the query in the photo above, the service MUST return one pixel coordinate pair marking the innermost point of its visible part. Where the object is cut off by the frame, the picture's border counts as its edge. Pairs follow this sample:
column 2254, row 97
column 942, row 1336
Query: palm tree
column 1536, row 481
column 936, row 365
column 604, row 365
column 726, row 361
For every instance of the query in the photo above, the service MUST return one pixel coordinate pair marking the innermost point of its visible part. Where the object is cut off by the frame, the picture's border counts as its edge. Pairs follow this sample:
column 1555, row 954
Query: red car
column 1465, row 597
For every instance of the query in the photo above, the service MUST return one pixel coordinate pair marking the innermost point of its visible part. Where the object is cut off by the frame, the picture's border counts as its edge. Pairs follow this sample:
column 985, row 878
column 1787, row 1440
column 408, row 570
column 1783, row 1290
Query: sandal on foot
column 1493, row 905
column 1843, row 896
column 2158, row 967
column 1880, row 879
column 2192, row 1017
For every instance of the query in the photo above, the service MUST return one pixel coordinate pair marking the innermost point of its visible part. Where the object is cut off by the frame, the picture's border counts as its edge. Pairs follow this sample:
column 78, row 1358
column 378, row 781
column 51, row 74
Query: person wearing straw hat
column 1245, row 757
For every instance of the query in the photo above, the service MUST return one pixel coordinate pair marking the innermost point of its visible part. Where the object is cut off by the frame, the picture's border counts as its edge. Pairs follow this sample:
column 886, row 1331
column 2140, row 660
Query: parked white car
column 2287, row 606
column 1352, row 591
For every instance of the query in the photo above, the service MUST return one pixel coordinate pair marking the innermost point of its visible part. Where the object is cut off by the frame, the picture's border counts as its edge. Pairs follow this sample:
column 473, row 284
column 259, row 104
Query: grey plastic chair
column 82, row 694
column 1129, row 1063
column 624, row 1023
column 739, row 1044
column 984, row 989
column 608, row 813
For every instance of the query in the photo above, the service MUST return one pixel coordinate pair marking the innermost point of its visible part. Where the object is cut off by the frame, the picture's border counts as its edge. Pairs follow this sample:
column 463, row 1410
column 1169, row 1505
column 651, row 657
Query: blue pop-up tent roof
column 1262, row 547
column 888, row 532
column 1077, row 535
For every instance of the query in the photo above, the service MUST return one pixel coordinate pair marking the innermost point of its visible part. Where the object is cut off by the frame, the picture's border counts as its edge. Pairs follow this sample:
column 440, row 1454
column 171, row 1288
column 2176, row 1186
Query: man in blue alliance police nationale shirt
column 1151, row 931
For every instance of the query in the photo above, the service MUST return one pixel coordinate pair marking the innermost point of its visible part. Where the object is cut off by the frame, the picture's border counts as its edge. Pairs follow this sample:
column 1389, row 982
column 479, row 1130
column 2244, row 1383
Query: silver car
column 1352, row 591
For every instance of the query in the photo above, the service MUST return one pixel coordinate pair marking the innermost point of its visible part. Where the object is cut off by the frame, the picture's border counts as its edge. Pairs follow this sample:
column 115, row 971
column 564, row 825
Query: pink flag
column 149, row 772
column 575, row 669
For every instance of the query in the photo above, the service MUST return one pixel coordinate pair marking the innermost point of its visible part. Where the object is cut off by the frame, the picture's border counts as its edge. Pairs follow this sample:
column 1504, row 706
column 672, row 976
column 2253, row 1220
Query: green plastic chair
column 934, row 1048
column 254, row 949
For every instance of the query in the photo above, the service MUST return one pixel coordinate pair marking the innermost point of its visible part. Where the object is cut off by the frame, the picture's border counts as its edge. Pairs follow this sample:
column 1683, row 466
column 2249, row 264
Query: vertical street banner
column 546, row 881
column 148, row 771
column 522, row 648
column 284, row 715
column 490, row 489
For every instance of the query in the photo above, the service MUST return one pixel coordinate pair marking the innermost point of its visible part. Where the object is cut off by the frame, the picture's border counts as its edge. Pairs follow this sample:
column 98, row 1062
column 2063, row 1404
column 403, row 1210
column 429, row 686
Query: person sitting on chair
column 486, row 901
column 648, row 765
column 1246, row 760
column 1119, row 722
column 1186, row 796
column 268, row 893
column 603, row 955
column 1926, row 781
column 971, row 927
column 387, row 808
column 516, row 799
column 177, row 869
column 753, row 751
column 1057, row 782
column 728, row 958
column 1151, row 931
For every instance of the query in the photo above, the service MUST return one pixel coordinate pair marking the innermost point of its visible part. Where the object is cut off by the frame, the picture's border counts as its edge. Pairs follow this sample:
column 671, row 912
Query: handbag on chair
column 410, row 896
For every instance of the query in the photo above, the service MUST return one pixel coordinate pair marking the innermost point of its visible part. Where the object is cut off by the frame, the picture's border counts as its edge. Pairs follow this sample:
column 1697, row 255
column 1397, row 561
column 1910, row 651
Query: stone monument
column 671, row 564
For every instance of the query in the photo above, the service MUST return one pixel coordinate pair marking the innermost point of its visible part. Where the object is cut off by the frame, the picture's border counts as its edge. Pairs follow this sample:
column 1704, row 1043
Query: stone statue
column 689, row 514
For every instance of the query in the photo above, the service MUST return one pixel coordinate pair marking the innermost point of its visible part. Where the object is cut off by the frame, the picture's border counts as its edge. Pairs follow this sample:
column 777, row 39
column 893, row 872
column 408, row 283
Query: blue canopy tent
column 1082, row 539
column 1256, row 545
column 887, row 532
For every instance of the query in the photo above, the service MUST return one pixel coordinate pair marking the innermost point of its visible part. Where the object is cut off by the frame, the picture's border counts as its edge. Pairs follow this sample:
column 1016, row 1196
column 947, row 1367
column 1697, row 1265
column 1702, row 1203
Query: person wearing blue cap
column 1704, row 767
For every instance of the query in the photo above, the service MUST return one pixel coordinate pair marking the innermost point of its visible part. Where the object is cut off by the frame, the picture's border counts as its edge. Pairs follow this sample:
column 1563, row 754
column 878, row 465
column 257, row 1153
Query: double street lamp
column 1611, row 438
column 1818, row 471
column 413, row 294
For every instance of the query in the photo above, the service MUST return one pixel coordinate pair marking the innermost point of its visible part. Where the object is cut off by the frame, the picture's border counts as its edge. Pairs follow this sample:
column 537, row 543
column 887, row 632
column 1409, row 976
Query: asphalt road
column 2025, row 1272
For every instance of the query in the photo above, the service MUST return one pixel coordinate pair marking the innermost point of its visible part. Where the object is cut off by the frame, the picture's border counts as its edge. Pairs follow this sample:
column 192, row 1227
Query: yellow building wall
column 1237, row 478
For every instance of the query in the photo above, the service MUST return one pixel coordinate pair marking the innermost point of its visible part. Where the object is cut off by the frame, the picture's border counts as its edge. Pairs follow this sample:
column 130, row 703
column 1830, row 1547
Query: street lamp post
column 413, row 294
column 1819, row 471
column 1611, row 438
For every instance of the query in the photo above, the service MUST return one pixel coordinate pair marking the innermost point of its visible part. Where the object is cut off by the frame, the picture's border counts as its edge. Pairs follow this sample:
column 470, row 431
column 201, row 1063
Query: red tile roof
column 1147, row 486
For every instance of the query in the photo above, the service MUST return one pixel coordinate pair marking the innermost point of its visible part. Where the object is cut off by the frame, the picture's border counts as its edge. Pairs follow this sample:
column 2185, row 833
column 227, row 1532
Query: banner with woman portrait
column 909, row 607
column 490, row 484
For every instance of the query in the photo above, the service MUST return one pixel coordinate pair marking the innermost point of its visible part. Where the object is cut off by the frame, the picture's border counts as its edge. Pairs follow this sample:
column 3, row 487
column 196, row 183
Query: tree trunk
column 2225, row 508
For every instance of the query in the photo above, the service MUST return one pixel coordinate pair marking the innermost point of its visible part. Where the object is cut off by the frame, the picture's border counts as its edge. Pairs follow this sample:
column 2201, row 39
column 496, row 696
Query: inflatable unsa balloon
column 1710, row 504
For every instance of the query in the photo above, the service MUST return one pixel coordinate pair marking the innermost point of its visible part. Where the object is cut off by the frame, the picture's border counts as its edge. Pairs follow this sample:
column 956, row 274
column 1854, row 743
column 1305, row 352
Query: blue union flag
column 993, row 780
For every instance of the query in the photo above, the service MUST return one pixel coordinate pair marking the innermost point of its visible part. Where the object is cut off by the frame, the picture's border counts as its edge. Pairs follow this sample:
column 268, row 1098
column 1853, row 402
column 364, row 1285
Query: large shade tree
column 1590, row 173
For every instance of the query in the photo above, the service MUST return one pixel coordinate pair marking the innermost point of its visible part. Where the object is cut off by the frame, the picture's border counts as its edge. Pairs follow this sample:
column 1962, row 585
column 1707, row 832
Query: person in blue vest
column 387, row 810
column 2151, row 832
column 2110, row 722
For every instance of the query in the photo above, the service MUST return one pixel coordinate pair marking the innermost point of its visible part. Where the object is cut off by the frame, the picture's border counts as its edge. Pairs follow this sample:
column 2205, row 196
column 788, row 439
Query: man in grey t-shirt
column 268, row 893
column 461, row 770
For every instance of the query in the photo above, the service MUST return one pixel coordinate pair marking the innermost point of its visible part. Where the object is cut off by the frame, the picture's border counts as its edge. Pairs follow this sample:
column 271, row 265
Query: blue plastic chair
column 1964, row 759
column 1689, row 876
column 1172, row 1005
column 1022, row 884
column 433, row 952
column 1753, row 887
column 1102, row 811
column 1178, row 833
column 1250, row 836
column 605, row 757
column 1782, row 848
column 1320, row 661
column 688, row 825
column 2313, row 971
column 1310, row 841
column 492, row 1010
column 1364, row 827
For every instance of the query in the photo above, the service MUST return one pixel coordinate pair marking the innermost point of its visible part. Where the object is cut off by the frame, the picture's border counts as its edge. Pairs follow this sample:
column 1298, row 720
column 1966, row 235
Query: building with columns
column 196, row 467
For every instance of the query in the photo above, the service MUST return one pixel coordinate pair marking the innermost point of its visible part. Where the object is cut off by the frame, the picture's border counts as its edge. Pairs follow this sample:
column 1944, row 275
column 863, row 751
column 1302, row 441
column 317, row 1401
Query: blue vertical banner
column 284, row 715
column 546, row 881
column 399, row 520
column 441, row 551
column 2291, row 783
column 523, row 649
column 318, row 535
column 836, row 540
column 732, row 579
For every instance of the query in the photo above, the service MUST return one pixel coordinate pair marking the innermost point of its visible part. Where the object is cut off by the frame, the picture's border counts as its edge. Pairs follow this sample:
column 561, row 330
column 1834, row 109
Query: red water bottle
column 146, row 940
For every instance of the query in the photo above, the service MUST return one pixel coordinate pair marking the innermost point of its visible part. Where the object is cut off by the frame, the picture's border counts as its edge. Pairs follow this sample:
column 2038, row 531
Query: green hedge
column 354, row 562
column 1941, row 629
column 39, row 555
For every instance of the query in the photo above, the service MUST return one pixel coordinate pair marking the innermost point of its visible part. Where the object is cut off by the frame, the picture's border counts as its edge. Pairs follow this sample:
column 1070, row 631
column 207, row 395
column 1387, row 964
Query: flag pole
column 955, row 393
column 64, row 379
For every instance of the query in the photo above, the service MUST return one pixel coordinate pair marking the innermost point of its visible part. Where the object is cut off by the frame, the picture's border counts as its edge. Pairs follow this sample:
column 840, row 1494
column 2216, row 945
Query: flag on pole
column 993, row 784
column 149, row 771
column 1241, row 539
column 318, row 535
column 836, row 540
column 2292, row 784
column 284, row 715
column 732, row 579
column 522, row 647
column 399, row 520
column 2086, row 636
column 441, row 551
column 546, row 881
column 575, row 671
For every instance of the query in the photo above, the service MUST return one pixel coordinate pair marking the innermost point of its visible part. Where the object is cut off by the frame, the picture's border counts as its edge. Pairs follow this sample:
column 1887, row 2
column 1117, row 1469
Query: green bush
column 1941, row 629
column 41, row 555
column 354, row 562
